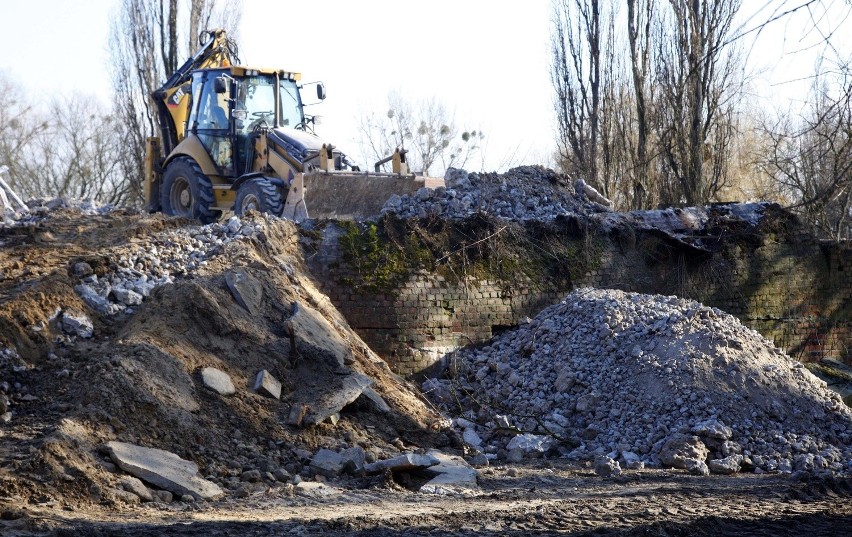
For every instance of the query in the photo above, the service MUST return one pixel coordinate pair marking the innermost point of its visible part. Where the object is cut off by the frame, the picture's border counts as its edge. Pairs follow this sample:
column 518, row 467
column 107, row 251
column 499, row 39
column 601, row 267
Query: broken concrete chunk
column 713, row 428
column 337, row 395
column 327, row 462
column 606, row 466
column 245, row 288
column 680, row 450
column 315, row 335
column 529, row 442
column 402, row 463
column 377, row 401
column 137, row 487
column 353, row 459
column 162, row 469
column 76, row 323
column 728, row 465
column 127, row 297
column 297, row 414
column 454, row 474
column 267, row 385
column 218, row 381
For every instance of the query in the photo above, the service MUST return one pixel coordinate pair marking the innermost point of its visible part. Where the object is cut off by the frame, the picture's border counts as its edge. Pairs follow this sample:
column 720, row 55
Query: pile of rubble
column 156, row 261
column 523, row 193
column 39, row 208
column 646, row 380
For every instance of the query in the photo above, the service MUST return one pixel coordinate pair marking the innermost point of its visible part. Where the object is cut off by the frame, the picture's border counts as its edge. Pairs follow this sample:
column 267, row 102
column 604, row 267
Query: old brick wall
column 797, row 293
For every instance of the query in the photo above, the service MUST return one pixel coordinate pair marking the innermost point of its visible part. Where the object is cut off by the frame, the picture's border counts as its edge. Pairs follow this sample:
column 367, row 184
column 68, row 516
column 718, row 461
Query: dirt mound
column 74, row 375
column 652, row 380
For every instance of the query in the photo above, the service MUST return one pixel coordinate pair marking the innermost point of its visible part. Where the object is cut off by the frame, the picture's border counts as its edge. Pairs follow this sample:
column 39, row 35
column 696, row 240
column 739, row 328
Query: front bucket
column 348, row 195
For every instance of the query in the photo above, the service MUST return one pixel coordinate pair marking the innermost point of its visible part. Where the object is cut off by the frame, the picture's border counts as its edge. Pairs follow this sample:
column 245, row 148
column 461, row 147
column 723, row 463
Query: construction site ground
column 137, row 380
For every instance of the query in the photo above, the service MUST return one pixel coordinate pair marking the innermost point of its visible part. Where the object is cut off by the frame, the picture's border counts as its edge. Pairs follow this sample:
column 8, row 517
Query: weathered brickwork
column 796, row 293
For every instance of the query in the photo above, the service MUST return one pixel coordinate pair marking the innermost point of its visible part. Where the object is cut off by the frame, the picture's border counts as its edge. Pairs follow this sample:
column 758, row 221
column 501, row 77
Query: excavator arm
column 172, row 98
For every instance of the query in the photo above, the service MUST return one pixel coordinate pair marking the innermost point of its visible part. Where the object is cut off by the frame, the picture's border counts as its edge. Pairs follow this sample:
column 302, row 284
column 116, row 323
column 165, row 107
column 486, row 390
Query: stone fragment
column 679, row 450
column 162, row 469
column 134, row 485
column 218, row 381
column 267, row 385
column 353, row 459
column 471, row 438
column 316, row 336
column 163, row 496
column 125, row 496
column 77, row 324
column 402, row 463
column 479, row 460
column 696, row 467
column 128, row 297
column 327, row 462
column 376, row 400
column 251, row 476
column 728, row 465
column 529, row 442
column 297, row 414
column 338, row 393
column 453, row 474
column 245, row 288
column 81, row 269
column 606, row 466
column 712, row 428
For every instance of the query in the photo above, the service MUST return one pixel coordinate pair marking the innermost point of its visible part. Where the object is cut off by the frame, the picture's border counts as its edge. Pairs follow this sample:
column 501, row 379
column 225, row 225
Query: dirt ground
column 541, row 498
column 137, row 380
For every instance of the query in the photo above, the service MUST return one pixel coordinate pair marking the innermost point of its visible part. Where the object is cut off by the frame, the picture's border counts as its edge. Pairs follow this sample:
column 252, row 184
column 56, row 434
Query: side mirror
column 321, row 91
column 220, row 84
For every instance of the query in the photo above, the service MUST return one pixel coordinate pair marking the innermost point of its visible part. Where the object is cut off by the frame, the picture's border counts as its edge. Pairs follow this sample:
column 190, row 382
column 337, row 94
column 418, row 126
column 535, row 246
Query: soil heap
column 209, row 342
column 650, row 380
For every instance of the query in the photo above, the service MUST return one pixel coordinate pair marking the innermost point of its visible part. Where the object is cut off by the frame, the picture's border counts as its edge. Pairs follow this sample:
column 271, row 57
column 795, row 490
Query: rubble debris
column 316, row 336
column 523, row 193
column 606, row 466
column 669, row 381
column 267, row 385
column 137, row 487
column 218, row 381
column 162, row 469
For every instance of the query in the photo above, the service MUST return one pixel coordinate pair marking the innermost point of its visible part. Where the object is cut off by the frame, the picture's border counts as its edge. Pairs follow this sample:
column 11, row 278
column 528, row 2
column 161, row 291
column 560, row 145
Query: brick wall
column 797, row 292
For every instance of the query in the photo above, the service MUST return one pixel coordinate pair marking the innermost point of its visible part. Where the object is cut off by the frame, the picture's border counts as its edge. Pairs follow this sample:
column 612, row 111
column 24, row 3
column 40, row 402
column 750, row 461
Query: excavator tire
column 187, row 192
column 258, row 195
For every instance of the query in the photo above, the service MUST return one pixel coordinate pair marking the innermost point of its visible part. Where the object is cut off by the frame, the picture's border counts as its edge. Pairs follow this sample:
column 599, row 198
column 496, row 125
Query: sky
column 487, row 61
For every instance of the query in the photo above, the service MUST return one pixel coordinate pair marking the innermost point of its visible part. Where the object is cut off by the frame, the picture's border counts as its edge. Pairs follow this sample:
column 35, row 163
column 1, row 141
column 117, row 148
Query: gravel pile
column 41, row 208
column 647, row 380
column 157, row 261
column 523, row 193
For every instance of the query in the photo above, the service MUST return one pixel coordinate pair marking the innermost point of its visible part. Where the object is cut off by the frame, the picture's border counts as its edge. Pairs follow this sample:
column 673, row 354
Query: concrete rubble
column 647, row 381
column 218, row 381
column 162, row 469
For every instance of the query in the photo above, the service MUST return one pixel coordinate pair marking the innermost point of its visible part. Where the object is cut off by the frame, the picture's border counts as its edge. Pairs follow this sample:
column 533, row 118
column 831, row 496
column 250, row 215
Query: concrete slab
column 162, row 469
column 454, row 475
column 245, row 288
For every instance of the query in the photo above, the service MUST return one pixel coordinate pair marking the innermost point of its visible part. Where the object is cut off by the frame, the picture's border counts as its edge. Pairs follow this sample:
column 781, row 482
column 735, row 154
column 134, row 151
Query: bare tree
column 697, row 80
column 146, row 41
column 812, row 155
column 640, row 21
column 425, row 129
column 20, row 124
column 576, row 77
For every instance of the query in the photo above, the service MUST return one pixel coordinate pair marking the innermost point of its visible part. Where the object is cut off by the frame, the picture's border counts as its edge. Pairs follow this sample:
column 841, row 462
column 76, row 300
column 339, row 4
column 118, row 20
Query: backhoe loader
column 236, row 138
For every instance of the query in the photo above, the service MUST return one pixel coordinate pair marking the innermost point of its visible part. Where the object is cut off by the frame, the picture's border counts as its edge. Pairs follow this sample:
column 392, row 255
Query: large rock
column 680, row 450
column 403, row 463
column 713, row 428
column 606, row 466
column 218, row 381
column 529, row 442
column 162, row 469
column 137, row 487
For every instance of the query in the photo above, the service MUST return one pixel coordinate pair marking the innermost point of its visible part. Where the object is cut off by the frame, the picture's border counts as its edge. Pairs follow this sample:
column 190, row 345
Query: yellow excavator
column 236, row 138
